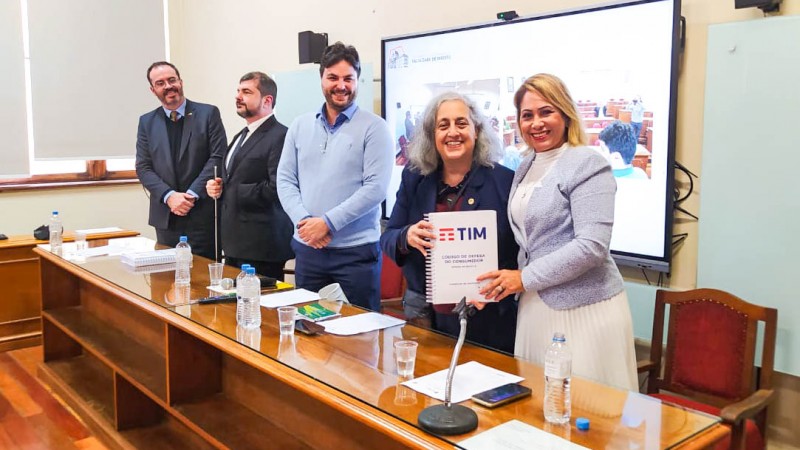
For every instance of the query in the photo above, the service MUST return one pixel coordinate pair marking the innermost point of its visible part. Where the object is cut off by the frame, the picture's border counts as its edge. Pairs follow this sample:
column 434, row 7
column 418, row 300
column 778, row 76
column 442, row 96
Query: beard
column 179, row 99
column 337, row 105
column 246, row 113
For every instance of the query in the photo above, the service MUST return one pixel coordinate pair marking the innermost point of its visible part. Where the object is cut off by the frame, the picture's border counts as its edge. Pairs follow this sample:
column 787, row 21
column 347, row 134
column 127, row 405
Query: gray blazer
column 203, row 145
column 568, row 226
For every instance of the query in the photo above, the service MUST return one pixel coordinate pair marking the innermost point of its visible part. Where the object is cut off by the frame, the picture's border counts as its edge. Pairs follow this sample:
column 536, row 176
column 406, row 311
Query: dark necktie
column 242, row 137
column 173, row 116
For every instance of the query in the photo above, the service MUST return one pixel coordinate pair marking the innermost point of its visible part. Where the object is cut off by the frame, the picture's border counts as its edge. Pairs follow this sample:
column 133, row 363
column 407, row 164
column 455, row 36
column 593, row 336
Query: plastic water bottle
column 557, row 372
column 56, row 233
column 250, row 293
column 239, row 304
column 183, row 263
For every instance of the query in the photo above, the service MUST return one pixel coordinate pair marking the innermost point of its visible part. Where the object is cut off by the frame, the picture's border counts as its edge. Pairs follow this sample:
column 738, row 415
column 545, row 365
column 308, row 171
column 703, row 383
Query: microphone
column 455, row 308
column 449, row 419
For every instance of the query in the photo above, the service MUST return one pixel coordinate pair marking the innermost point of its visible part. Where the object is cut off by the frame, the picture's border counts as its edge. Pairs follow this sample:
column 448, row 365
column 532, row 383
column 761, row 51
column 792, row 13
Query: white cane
column 216, row 231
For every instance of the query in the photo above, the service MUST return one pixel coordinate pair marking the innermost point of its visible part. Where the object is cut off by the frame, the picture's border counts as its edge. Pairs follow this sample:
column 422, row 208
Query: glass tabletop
column 363, row 366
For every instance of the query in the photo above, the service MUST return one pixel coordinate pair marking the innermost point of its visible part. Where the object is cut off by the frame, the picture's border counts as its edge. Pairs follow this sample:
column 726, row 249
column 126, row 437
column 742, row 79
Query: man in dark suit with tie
column 177, row 147
column 255, row 229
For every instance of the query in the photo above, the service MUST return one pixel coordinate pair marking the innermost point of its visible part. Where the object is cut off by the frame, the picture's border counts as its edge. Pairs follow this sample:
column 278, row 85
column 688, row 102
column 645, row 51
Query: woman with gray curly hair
column 452, row 167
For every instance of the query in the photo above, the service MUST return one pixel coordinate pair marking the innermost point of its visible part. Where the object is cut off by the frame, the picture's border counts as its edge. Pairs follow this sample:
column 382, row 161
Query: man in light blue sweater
column 332, row 177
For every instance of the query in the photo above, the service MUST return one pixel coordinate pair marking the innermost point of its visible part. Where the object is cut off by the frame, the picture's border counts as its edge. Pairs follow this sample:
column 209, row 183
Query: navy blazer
column 203, row 143
column 253, row 223
column 488, row 187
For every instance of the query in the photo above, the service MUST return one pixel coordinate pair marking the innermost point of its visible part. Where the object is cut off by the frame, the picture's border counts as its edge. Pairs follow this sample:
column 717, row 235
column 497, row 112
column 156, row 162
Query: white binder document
column 465, row 247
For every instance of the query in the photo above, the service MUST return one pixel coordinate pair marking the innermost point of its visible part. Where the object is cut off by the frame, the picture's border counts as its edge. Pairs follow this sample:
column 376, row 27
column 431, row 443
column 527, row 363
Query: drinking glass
column 286, row 316
column 80, row 246
column 406, row 354
column 215, row 273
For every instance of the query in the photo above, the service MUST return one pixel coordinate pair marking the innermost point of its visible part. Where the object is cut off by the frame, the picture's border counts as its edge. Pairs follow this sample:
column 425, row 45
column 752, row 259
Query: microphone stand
column 447, row 418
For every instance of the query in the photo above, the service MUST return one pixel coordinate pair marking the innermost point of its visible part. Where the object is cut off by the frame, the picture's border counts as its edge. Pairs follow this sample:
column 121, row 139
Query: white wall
column 214, row 42
column 85, row 207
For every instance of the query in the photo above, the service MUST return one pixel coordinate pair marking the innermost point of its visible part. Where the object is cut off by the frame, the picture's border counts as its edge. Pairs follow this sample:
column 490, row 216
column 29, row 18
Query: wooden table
column 144, row 373
column 20, row 313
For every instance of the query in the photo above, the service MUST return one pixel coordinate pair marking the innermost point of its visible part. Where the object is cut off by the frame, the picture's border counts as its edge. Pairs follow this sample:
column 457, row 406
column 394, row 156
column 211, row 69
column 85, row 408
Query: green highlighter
column 316, row 312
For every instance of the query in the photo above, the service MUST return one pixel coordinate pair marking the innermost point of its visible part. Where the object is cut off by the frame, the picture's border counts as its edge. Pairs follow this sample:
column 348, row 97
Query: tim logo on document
column 463, row 233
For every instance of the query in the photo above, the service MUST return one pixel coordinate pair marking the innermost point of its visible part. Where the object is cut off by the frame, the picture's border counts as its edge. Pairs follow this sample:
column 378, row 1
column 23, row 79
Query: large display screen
column 619, row 62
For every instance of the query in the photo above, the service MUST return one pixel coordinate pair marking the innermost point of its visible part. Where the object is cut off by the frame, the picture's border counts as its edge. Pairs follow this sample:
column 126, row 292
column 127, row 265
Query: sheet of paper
column 99, row 230
column 360, row 323
column 470, row 378
column 219, row 290
column 100, row 251
column 516, row 435
column 69, row 248
column 130, row 244
column 155, row 268
column 288, row 298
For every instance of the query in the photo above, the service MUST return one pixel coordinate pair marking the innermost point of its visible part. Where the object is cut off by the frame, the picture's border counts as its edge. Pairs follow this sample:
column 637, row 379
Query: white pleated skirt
column 599, row 335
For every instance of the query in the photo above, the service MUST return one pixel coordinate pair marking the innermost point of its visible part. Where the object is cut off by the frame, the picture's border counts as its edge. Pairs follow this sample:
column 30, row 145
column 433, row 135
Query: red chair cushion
column 391, row 279
column 701, row 329
column 753, row 438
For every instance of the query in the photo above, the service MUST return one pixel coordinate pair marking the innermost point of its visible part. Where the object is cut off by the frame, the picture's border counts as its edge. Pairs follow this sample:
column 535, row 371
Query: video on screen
column 617, row 63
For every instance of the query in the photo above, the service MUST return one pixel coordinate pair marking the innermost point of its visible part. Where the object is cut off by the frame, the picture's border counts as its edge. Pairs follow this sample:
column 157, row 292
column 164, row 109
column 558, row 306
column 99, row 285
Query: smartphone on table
column 501, row 395
column 308, row 327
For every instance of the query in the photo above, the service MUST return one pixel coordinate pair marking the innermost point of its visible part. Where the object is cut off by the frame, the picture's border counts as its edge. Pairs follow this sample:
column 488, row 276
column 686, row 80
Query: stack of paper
column 469, row 379
column 149, row 258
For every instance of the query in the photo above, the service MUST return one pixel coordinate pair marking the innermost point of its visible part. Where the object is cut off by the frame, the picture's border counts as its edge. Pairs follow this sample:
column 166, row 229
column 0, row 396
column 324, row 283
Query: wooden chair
column 393, row 286
column 710, row 360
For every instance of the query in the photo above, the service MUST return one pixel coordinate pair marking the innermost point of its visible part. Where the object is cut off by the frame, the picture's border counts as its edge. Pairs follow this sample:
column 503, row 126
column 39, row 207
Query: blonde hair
column 552, row 89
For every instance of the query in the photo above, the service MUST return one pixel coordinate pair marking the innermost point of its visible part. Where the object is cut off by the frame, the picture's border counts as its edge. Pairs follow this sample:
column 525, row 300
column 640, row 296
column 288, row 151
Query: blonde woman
column 561, row 210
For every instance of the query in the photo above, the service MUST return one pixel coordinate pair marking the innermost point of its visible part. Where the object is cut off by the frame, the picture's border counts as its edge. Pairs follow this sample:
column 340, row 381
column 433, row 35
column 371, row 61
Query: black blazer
column 253, row 223
column 202, row 146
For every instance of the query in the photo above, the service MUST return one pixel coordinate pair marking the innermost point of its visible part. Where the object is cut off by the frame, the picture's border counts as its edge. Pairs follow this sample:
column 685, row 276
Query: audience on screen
column 619, row 140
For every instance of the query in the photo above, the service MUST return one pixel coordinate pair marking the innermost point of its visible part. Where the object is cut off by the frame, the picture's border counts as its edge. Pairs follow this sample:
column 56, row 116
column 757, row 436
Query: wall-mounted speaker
column 310, row 46
column 764, row 5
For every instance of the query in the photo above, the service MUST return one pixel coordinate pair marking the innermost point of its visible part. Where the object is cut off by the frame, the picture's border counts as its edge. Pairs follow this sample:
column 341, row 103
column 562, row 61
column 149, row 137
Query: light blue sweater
column 341, row 176
column 568, row 225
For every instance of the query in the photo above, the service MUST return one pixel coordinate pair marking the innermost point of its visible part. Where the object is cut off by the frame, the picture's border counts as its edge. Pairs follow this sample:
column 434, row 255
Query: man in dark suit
column 255, row 229
column 177, row 147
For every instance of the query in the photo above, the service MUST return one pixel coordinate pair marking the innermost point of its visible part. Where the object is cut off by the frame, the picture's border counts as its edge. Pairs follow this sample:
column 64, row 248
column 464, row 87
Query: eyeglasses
column 162, row 84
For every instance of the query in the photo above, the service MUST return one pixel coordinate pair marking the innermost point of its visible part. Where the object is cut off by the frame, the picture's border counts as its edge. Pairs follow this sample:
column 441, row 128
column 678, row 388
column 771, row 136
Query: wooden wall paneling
column 19, row 270
column 20, row 333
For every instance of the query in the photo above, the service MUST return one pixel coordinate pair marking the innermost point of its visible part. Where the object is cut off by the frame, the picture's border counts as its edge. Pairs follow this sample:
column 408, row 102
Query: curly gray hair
column 422, row 152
